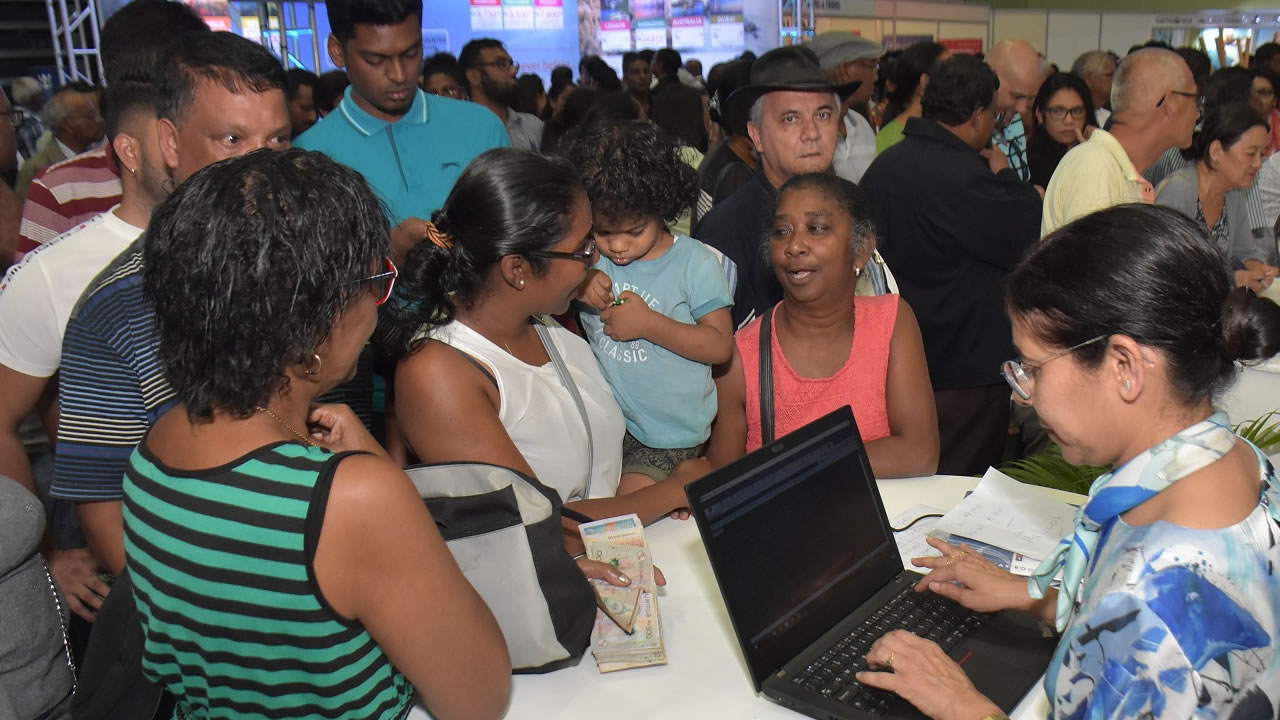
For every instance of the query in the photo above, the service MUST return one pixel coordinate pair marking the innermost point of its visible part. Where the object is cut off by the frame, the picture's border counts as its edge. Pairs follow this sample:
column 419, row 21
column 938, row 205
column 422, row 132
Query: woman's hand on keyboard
column 921, row 673
column 963, row 575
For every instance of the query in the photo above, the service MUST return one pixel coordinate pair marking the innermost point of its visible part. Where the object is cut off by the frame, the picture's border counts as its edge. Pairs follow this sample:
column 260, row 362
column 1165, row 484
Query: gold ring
column 889, row 662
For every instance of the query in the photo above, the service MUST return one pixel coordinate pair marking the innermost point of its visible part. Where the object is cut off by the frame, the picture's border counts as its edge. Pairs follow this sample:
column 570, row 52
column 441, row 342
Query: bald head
column 1018, row 65
column 1145, row 77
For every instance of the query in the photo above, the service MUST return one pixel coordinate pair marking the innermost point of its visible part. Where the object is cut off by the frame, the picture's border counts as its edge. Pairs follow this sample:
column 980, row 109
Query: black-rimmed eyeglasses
column 586, row 255
column 1199, row 99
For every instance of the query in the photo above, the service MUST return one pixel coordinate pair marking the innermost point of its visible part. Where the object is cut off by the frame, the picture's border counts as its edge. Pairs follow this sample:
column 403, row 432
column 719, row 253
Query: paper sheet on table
column 1011, row 515
column 912, row 543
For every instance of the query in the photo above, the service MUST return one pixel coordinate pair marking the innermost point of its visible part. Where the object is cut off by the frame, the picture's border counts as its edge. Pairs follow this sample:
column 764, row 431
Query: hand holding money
column 628, row 629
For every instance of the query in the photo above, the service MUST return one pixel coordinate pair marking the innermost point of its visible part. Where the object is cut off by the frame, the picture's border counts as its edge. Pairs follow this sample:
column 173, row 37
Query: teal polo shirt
column 412, row 163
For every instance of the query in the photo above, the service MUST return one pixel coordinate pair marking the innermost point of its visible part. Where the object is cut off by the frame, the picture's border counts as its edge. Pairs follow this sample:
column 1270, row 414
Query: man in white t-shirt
column 846, row 58
column 38, row 295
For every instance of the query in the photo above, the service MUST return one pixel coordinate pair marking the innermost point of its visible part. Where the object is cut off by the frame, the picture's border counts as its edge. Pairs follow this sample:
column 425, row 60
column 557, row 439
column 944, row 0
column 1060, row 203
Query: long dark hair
column 1146, row 272
column 1040, row 141
column 914, row 62
column 507, row 202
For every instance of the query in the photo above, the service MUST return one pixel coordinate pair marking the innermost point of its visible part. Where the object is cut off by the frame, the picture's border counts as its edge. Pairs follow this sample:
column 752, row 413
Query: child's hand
column 628, row 319
column 596, row 290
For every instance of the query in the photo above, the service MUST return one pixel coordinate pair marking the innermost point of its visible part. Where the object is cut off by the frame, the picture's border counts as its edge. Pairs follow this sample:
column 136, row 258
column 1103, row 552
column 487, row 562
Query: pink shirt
column 861, row 383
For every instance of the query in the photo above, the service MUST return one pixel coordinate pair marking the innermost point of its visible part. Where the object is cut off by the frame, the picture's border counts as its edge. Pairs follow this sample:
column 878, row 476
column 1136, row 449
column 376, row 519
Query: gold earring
column 316, row 370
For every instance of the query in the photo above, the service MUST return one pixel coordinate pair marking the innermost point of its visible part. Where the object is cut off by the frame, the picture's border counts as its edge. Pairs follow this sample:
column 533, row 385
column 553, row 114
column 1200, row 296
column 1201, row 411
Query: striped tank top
column 234, row 622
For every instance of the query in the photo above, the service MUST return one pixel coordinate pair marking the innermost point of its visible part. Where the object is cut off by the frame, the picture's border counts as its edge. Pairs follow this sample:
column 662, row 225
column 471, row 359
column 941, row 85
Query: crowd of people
column 243, row 300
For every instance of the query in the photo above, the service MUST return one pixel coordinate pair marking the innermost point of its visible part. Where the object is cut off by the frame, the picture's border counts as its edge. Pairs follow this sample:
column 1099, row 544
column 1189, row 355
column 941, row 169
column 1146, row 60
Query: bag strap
column 766, row 377
column 478, row 365
column 566, row 380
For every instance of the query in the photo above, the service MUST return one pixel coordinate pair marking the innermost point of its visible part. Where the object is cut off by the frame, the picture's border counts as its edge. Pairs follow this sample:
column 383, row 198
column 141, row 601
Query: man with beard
column 489, row 76
column 409, row 146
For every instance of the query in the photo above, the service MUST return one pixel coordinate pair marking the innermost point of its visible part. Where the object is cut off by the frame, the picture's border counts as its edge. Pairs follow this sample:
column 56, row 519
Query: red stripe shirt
column 67, row 194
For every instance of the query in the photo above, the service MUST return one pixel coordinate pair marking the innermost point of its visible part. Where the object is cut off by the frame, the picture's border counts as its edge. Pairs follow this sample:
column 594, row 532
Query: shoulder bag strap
column 567, row 381
column 766, row 377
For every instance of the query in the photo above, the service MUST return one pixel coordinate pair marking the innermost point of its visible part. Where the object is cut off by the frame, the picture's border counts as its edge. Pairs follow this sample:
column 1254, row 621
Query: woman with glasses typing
column 282, row 565
column 1064, row 118
column 481, row 380
column 1169, row 605
column 1227, row 152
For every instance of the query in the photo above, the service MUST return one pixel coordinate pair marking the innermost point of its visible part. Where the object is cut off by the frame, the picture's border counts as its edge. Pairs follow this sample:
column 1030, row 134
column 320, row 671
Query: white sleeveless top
column 541, row 416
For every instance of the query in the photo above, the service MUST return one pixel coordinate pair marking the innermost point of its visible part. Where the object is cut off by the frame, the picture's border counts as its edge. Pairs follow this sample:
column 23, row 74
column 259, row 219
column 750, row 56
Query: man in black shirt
column 954, row 221
column 794, row 124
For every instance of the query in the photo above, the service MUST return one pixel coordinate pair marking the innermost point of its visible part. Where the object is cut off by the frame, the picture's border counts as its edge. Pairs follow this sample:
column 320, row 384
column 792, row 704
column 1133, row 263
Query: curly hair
column 248, row 265
column 633, row 171
column 506, row 202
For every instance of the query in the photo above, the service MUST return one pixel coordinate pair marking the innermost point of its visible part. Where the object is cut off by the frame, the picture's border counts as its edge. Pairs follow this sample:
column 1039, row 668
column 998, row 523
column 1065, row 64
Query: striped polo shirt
column 112, row 386
column 67, row 194
column 222, row 562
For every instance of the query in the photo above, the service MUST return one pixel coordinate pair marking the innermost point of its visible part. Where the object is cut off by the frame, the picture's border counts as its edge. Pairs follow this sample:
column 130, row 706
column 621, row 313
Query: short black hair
column 248, row 265
column 295, row 78
column 1225, row 124
column 1199, row 63
column 647, row 54
column 1228, row 85
column 442, row 62
column 345, row 15
column 470, row 57
column 958, row 87
column 586, row 108
column 328, row 92
column 506, row 202
column 669, row 60
column 630, row 57
column 126, row 94
column 225, row 58
column 530, row 89
column 1264, row 53
column 605, row 77
column 633, row 171
column 136, row 36
column 561, row 73
column 1146, row 272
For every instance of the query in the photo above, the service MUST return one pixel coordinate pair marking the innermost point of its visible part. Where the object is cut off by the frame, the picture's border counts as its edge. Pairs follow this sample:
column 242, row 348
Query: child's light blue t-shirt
column 668, row 400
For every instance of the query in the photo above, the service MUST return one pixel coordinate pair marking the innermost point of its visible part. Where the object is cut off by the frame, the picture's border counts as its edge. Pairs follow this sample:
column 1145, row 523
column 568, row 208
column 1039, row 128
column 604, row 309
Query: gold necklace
column 286, row 426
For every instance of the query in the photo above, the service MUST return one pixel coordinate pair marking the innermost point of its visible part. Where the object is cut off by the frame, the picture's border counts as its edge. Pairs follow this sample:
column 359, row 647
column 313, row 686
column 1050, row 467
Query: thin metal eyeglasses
column 587, row 255
column 390, row 276
column 1018, row 372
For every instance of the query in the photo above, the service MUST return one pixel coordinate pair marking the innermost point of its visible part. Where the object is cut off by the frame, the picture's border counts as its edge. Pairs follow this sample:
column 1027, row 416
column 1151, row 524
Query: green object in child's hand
column 619, row 301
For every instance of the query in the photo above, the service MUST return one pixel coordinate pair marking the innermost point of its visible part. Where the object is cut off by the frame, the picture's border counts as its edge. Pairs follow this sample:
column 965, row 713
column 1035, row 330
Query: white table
column 706, row 676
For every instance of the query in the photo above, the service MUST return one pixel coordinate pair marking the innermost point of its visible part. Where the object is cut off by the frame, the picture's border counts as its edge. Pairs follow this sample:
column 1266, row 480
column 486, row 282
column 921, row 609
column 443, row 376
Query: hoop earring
column 316, row 370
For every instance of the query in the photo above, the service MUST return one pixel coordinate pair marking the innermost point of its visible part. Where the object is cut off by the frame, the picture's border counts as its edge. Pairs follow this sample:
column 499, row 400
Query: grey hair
column 1138, row 79
column 756, row 115
column 26, row 90
column 1090, row 62
column 59, row 108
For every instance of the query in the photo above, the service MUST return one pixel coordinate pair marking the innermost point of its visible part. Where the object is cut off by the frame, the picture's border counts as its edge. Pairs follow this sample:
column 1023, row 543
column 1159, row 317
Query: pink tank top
column 801, row 400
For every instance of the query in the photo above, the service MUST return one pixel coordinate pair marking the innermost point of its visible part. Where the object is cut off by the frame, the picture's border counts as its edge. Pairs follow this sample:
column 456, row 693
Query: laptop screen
column 798, row 538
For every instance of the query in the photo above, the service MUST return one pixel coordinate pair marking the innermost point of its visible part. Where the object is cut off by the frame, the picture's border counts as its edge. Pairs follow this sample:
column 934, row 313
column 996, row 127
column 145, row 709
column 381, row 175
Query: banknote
column 619, row 641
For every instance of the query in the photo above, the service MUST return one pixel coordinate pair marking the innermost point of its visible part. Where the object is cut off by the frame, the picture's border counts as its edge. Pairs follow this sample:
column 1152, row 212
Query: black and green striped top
column 234, row 621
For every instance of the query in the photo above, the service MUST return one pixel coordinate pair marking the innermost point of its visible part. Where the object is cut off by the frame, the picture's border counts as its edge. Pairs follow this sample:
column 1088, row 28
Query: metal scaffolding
column 74, row 27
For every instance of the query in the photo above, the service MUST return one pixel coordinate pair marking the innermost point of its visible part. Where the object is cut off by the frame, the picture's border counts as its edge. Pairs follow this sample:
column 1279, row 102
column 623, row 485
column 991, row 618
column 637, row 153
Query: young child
column 658, row 303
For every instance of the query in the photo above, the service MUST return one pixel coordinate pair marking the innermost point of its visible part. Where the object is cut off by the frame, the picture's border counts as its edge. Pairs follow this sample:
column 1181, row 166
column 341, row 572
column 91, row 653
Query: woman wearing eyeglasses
column 511, row 246
column 1064, row 118
column 282, row 565
column 1169, row 605
column 1227, row 151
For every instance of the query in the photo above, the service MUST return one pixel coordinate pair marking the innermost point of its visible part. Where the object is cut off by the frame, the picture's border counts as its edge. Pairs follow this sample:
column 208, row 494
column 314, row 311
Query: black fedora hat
column 786, row 68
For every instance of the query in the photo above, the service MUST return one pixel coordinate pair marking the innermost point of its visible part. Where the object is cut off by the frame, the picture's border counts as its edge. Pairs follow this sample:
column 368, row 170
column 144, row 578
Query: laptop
column 810, row 573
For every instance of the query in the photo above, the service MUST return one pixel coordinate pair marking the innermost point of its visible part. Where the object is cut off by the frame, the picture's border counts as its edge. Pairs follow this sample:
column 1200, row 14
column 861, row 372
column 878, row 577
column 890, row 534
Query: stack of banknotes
column 628, row 630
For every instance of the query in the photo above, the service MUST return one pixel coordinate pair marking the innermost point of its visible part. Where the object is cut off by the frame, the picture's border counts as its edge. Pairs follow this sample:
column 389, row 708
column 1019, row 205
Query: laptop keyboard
column 925, row 614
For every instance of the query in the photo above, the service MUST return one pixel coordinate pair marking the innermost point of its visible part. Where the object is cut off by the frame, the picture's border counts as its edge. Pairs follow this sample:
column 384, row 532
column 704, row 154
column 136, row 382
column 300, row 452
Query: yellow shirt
column 1095, row 174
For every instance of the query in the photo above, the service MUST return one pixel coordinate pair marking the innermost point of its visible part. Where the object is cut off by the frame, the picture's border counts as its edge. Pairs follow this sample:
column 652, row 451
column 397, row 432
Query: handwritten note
column 1008, row 514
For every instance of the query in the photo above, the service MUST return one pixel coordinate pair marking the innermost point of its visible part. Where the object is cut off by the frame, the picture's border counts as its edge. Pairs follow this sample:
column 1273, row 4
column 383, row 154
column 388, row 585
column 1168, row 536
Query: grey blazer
column 1181, row 191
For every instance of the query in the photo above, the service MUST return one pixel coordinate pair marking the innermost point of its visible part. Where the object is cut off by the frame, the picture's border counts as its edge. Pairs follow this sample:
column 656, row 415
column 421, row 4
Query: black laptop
column 805, row 558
